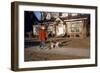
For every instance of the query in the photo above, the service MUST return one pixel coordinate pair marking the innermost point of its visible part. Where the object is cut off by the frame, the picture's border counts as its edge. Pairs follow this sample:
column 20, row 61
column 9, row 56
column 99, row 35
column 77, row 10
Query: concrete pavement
column 83, row 52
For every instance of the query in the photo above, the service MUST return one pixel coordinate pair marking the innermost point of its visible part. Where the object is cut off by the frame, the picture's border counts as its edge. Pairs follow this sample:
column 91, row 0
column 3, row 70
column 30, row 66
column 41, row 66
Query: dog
column 54, row 45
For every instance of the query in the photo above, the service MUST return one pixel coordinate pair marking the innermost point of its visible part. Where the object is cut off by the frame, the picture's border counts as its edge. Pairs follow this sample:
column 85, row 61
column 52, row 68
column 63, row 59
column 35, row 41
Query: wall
column 5, row 34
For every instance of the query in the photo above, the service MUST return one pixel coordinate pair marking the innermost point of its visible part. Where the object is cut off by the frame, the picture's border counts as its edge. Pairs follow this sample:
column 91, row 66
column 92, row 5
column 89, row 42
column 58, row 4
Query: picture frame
column 19, row 20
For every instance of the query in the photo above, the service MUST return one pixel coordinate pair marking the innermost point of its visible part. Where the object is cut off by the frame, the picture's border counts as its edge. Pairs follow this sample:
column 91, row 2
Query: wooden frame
column 15, row 35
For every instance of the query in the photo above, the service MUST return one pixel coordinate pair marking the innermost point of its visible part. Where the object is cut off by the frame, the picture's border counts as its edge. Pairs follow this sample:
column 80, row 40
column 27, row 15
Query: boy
column 42, row 36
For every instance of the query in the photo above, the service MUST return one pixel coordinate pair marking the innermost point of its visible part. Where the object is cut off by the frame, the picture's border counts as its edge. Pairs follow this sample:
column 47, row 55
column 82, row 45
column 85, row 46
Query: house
column 76, row 28
column 71, row 27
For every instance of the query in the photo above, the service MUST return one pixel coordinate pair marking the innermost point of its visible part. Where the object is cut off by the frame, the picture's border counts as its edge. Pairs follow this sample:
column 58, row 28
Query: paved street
column 71, row 49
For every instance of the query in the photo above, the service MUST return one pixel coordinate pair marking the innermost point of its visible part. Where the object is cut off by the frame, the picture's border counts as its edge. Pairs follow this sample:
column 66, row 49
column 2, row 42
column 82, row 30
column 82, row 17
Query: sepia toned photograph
column 56, row 36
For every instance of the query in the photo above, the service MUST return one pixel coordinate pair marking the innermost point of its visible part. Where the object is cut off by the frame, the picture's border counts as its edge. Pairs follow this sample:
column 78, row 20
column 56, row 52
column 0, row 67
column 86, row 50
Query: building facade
column 70, row 25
